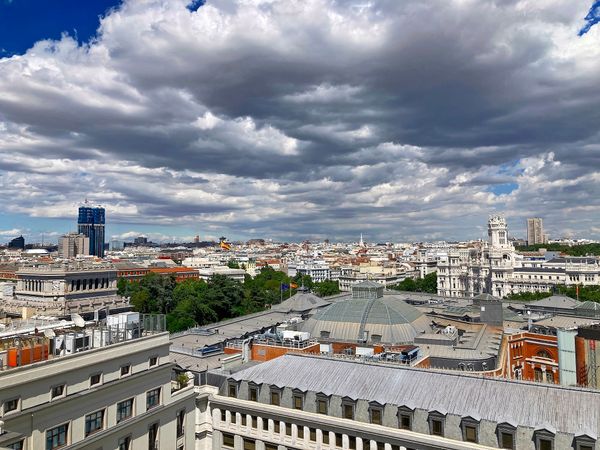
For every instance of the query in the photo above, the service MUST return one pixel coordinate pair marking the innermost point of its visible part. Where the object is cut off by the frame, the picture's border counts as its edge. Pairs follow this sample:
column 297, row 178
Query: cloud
column 11, row 233
column 406, row 120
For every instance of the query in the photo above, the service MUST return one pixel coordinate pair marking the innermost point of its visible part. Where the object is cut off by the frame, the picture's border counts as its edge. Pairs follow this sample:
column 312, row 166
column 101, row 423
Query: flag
column 225, row 245
column 284, row 287
column 293, row 285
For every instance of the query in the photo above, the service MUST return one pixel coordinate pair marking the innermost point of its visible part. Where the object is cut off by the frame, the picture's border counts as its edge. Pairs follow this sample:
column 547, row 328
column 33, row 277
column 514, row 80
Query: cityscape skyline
column 384, row 127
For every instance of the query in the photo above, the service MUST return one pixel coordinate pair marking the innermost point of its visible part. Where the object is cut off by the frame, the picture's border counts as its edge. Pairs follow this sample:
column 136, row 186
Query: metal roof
column 556, row 301
column 389, row 317
column 301, row 302
column 497, row 400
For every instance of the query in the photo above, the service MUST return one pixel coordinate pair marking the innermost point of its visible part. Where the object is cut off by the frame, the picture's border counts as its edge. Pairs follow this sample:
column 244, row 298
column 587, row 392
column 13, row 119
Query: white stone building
column 118, row 396
column 495, row 268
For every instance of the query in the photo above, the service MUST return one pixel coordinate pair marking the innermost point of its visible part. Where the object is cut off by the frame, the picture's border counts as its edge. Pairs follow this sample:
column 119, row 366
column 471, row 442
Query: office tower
column 140, row 240
column 72, row 244
column 91, row 223
column 17, row 243
column 535, row 231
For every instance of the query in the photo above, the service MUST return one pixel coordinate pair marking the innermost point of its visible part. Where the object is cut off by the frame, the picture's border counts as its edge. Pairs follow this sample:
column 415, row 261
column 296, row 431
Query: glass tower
column 91, row 223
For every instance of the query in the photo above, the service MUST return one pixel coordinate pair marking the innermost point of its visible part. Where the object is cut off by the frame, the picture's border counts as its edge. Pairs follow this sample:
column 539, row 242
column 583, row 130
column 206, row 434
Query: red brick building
column 532, row 357
column 180, row 273
column 130, row 271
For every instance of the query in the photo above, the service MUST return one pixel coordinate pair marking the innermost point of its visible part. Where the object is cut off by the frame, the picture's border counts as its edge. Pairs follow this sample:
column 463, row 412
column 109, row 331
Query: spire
column 361, row 243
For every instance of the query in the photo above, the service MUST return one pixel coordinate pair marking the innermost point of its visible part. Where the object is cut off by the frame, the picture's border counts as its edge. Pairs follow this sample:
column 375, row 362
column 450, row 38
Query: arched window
column 544, row 354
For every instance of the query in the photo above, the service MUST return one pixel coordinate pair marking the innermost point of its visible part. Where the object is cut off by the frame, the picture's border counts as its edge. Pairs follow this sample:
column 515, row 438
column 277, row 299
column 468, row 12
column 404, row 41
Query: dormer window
column 275, row 396
column 544, row 439
column 376, row 413
column 506, row 435
column 584, row 442
column 436, row 423
column 348, row 408
column 470, row 429
column 253, row 392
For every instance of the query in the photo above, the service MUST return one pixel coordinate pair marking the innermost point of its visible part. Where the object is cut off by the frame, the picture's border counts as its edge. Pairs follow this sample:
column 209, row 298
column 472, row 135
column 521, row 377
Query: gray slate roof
column 301, row 302
column 389, row 317
column 569, row 410
column 556, row 301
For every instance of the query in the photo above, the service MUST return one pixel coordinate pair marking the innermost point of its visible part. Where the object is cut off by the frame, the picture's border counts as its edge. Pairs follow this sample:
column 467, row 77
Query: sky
column 292, row 120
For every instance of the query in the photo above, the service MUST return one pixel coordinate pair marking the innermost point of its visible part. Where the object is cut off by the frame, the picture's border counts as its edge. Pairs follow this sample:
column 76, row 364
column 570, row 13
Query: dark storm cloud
column 311, row 118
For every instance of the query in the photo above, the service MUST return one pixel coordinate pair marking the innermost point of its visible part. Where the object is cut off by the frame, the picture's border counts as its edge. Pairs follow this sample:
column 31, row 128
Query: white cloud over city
column 311, row 119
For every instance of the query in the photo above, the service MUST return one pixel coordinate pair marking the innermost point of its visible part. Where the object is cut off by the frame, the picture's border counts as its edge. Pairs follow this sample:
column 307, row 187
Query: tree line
column 427, row 284
column 586, row 293
column 197, row 302
column 572, row 250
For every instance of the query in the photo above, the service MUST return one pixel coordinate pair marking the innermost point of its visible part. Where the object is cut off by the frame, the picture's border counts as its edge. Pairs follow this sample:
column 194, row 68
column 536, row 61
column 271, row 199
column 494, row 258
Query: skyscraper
column 18, row 243
column 535, row 231
column 91, row 223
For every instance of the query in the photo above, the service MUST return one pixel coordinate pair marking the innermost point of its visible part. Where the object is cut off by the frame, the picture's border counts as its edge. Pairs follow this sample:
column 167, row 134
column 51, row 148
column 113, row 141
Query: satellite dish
column 78, row 320
column 49, row 333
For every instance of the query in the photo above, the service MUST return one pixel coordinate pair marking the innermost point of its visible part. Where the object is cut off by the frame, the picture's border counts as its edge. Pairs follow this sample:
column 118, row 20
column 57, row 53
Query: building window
column 276, row 427
column 253, row 393
column 348, row 408
column 538, row 374
column 584, row 442
column 94, row 422
column 153, row 361
column 436, row 423
column 95, row 379
column 405, row 418
column 275, row 397
column 288, row 429
column 124, row 443
column 58, row 391
column 376, row 413
column 506, row 436
column 181, row 423
column 124, row 409
column 322, row 404
column 544, row 440
column 254, row 422
column 300, row 432
column 125, row 370
column 470, row 429
column 152, row 398
column 249, row 444
column 19, row 445
column 57, row 437
column 228, row 440
column 312, row 434
column 271, row 447
column 11, row 405
column 232, row 390
column 339, row 440
column 153, row 436
column 298, row 400
column 244, row 420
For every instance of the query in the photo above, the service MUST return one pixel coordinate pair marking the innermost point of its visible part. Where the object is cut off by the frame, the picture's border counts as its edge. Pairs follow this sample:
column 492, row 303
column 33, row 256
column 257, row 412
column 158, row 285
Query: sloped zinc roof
column 391, row 318
column 556, row 301
column 525, row 404
column 301, row 302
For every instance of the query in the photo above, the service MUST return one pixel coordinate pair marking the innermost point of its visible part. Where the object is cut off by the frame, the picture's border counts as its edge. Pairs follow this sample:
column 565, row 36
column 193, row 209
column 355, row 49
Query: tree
column 427, row 284
column 122, row 286
column 232, row 264
column 326, row 288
